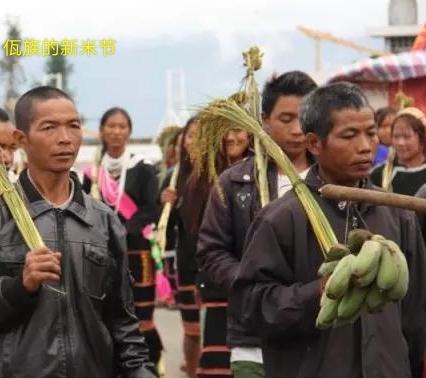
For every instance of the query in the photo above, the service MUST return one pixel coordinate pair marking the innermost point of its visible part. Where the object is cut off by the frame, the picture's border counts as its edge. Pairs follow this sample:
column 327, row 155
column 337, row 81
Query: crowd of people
column 243, row 277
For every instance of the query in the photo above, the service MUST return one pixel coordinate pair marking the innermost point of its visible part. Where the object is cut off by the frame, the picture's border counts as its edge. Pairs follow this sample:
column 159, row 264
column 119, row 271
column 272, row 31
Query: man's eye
column 348, row 136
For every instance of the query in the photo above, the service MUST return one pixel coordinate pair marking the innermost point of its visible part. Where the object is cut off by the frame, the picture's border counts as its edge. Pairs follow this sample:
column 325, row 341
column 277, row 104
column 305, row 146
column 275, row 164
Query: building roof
column 389, row 68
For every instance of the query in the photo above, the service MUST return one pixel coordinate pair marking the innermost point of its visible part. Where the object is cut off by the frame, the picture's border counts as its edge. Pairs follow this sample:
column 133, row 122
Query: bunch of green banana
column 363, row 276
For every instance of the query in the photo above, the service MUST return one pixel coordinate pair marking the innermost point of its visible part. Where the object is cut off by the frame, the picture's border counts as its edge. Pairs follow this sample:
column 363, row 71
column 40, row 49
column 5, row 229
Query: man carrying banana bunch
column 363, row 317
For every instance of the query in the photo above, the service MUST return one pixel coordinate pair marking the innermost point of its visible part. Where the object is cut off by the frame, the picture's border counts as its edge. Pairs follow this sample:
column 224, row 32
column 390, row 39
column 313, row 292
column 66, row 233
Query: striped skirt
column 142, row 268
column 189, row 307
column 170, row 272
column 215, row 354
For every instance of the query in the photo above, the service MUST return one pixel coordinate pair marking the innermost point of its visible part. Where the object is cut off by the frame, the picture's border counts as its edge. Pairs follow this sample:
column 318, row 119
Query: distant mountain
column 134, row 77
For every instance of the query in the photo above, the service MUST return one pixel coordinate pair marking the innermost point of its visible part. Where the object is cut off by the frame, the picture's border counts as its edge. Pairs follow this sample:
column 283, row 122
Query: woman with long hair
column 215, row 357
column 190, row 198
column 407, row 173
column 171, row 235
column 129, row 186
column 188, row 207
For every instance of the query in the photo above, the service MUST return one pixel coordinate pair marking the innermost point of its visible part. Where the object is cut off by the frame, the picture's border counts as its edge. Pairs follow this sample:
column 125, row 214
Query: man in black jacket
column 66, row 310
column 225, row 223
column 278, row 279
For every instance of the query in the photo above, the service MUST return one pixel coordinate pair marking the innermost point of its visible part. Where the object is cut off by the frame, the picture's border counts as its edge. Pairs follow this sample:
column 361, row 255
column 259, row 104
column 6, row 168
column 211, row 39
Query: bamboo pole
column 165, row 213
column 345, row 193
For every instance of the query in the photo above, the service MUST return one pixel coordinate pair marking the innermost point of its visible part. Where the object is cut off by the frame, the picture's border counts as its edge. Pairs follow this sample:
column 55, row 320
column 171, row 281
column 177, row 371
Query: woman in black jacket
column 190, row 199
column 129, row 186
column 215, row 356
column 407, row 173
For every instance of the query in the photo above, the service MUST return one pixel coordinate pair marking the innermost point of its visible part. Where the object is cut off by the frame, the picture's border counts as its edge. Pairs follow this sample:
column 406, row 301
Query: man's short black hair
column 292, row 83
column 317, row 107
column 4, row 117
column 25, row 106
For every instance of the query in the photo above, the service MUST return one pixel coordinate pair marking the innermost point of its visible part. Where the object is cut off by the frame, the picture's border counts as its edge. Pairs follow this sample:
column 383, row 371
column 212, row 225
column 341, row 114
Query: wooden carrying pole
column 345, row 193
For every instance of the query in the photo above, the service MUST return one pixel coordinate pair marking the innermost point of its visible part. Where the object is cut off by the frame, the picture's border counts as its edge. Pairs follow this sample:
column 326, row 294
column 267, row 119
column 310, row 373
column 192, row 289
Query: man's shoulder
column 243, row 171
column 97, row 206
column 388, row 210
column 103, row 215
column 141, row 167
column 240, row 171
column 284, row 207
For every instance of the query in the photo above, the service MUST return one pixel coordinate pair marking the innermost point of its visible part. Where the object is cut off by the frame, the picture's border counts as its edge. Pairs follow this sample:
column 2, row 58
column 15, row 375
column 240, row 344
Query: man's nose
column 64, row 135
column 296, row 129
column 365, row 143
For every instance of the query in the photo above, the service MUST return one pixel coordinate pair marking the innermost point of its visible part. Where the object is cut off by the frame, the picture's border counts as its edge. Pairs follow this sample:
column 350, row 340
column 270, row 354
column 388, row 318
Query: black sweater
column 141, row 186
column 404, row 181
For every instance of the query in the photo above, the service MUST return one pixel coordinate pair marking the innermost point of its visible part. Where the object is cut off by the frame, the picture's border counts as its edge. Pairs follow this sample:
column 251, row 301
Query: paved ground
column 170, row 328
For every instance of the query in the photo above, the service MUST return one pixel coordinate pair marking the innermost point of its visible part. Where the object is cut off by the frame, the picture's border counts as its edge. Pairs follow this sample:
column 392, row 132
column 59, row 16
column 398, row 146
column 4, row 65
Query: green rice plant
column 221, row 113
column 22, row 217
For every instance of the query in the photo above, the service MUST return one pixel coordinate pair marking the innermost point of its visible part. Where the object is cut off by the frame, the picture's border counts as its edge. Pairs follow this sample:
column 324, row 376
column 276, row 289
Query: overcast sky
column 145, row 19
column 223, row 27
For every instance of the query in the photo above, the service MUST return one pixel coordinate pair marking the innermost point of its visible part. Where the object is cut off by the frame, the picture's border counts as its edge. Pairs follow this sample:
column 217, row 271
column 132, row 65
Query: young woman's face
column 385, row 131
column 406, row 142
column 189, row 137
column 8, row 144
column 236, row 144
column 169, row 156
column 115, row 133
column 178, row 146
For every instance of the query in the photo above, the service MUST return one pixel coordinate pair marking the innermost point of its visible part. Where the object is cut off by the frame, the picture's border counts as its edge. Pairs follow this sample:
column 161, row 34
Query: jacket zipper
column 63, row 299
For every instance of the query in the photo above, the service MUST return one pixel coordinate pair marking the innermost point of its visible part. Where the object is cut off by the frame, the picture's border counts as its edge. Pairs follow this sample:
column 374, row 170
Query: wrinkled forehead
column 351, row 117
column 55, row 109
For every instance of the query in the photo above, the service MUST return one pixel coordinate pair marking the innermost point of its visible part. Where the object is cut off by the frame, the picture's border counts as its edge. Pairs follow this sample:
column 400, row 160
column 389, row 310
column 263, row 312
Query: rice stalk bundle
column 223, row 112
column 19, row 212
column 253, row 62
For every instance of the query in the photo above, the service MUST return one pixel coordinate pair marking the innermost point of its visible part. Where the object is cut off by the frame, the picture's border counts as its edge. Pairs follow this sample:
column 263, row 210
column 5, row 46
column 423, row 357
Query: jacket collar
column 314, row 181
column 244, row 173
column 37, row 205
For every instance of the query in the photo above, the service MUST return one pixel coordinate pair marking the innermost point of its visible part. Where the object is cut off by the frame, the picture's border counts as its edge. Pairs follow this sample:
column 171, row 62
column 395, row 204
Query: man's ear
column 314, row 144
column 20, row 137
